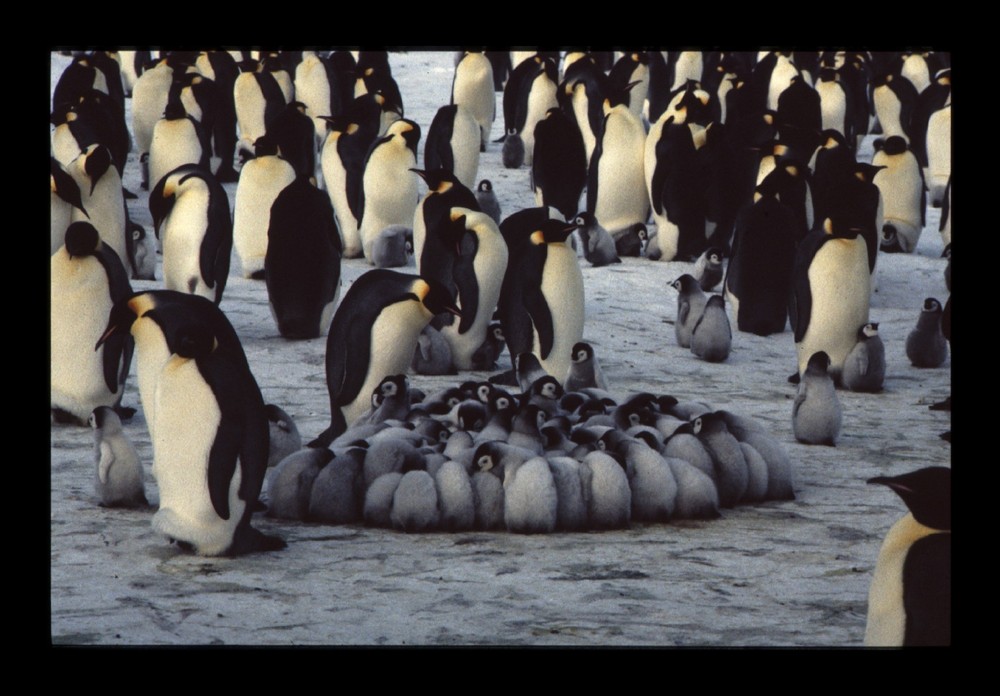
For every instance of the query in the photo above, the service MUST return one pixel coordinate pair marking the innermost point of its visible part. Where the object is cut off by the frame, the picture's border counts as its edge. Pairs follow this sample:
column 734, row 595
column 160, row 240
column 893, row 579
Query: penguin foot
column 941, row 405
column 793, row 378
column 124, row 412
column 65, row 417
column 946, row 436
column 257, row 275
column 249, row 540
column 128, row 194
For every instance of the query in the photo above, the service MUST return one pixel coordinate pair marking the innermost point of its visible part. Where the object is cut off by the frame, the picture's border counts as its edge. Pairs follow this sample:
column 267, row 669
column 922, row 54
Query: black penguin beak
column 120, row 320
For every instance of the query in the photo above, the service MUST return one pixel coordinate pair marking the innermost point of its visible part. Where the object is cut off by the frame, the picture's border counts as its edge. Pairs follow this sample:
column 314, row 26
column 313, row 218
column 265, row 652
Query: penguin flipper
column 228, row 440
column 927, row 591
column 464, row 275
column 683, row 310
column 216, row 249
column 106, row 462
column 541, row 317
column 800, row 398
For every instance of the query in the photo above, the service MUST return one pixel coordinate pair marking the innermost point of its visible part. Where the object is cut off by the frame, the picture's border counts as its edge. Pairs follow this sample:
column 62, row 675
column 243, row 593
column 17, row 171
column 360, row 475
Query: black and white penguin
column 472, row 88
column 191, row 216
column 616, row 187
column 541, row 304
column 318, row 86
column 904, row 196
column 436, row 236
column 711, row 335
column 220, row 67
column 373, row 334
column 528, row 95
column 831, row 293
column 143, row 252
column 559, row 163
column 260, row 181
column 258, row 99
column 88, row 279
column 864, row 368
column 581, row 95
column 939, row 145
column 487, row 199
column 816, row 412
column 894, row 99
column 65, row 198
column 101, row 201
column 453, row 143
column 149, row 100
column 691, row 301
column 584, row 370
column 926, row 345
column 598, row 245
column 302, row 265
column 389, row 192
column 178, row 139
column 118, row 478
column 909, row 601
column 632, row 67
column 294, row 134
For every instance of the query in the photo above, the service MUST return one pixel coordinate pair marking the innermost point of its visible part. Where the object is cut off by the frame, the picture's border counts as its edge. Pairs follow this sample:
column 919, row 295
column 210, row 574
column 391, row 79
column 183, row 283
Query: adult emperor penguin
column 909, row 602
column 190, row 212
column 478, row 274
column 633, row 67
column 616, row 188
column 389, row 189
column 453, row 143
column 65, row 199
column 302, row 265
column 559, row 163
column 435, row 236
column 209, row 447
column 101, row 201
column 529, row 94
column 178, row 139
column 258, row 99
column 542, row 299
column 904, row 196
column 261, row 180
column 118, row 479
column 88, row 279
column 149, row 100
column 472, row 88
column 374, row 334
column 831, row 293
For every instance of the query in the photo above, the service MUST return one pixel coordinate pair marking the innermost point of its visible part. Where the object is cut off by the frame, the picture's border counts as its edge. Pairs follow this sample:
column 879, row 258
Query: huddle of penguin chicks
column 476, row 457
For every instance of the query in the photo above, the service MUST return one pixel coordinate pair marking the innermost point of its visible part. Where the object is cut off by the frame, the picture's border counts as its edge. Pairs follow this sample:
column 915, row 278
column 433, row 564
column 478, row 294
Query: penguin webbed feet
column 63, row 417
column 250, row 540
column 794, row 378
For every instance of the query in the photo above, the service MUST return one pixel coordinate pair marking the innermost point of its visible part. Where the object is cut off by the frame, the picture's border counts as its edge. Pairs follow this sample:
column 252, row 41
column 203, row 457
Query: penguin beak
column 120, row 320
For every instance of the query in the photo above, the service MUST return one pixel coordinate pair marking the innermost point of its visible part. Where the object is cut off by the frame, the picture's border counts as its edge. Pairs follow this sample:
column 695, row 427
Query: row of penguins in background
column 284, row 149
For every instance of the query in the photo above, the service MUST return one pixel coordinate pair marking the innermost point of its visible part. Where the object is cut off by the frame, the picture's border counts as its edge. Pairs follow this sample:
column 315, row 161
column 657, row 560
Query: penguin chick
column 864, row 368
column 284, row 435
column 708, row 268
column 118, row 480
column 512, row 154
column 415, row 503
column 393, row 247
column 926, row 345
column 584, row 369
column 816, row 415
column 338, row 490
column 433, row 354
column 571, row 508
column 711, row 335
column 909, row 602
column 290, row 484
column 606, row 490
column 691, row 301
column 598, row 245
column 485, row 357
column 456, row 500
column 487, row 200
column 378, row 500
column 530, row 497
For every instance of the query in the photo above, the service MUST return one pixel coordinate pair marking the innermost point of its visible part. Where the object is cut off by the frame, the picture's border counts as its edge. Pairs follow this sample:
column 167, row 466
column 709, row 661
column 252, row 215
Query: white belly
column 174, row 143
column 182, row 234
column 541, row 98
column 335, row 179
column 562, row 287
column 621, row 196
column 390, row 191
column 261, row 180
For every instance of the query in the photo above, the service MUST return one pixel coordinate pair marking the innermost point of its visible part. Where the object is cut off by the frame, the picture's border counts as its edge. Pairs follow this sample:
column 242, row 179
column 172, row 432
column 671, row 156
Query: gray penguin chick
column 864, row 367
column 392, row 247
column 711, row 335
column 118, row 478
column 926, row 345
column 512, row 154
column 691, row 301
column 816, row 414
column 598, row 245
column 584, row 369
column 487, row 200
column 284, row 435
column 708, row 268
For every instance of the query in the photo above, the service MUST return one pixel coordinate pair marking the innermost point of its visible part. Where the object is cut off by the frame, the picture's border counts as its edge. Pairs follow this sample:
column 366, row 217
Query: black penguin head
column 684, row 284
column 818, row 364
column 435, row 297
column 501, row 400
column 409, row 131
column 547, row 386
column 553, row 232
column 487, row 456
column 98, row 161
column 194, row 340
column 471, row 416
column 265, row 146
column 894, row 145
column 82, row 239
column 869, row 330
column 926, row 492
column 485, row 186
column 584, row 220
column 716, row 301
column 123, row 314
column 866, row 172
column 838, row 228
column 714, row 256
column 582, row 352
column 438, row 180
column 101, row 416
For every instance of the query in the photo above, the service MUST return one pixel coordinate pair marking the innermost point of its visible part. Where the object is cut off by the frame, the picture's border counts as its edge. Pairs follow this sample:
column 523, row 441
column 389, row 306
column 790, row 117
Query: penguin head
column 485, row 186
column 487, row 457
column 685, row 283
column 584, row 220
column 819, row 363
column 471, row 416
column 894, row 145
column 484, row 392
column 104, row 418
column 553, row 232
column 869, row 330
column 714, row 256
column 97, row 160
column 435, row 297
column 926, row 492
column 82, row 239
column 501, row 400
column 548, row 387
column 194, row 340
column 582, row 352
column 164, row 195
column 265, row 146
column 932, row 305
column 408, row 130
column 438, row 180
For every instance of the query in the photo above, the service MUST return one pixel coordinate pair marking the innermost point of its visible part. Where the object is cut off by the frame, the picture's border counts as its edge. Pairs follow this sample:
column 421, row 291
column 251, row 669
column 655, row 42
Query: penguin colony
column 87, row 119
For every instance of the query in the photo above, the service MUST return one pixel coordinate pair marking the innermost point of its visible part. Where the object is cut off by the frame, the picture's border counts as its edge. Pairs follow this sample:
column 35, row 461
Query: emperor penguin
column 436, row 236
column 317, row 87
column 830, row 294
column 711, row 335
column 584, row 370
column 559, row 163
column 904, row 196
column 258, row 99
column 87, row 279
column 529, row 95
column 909, row 601
column 302, row 263
column 190, row 212
column 632, row 67
column 487, row 199
column 221, row 68
column 389, row 189
column 472, row 88
column 453, row 143
column 118, row 480
column 149, row 100
column 478, row 275
column 926, row 345
column 541, row 304
column 209, row 447
column 894, row 98
column 616, row 187
column 691, row 301
column 530, row 496
column 142, row 259
column 393, row 247
column 581, row 95
column 284, row 437
column 599, row 247
column 260, row 181
column 101, row 201
column 373, row 334
column 864, row 368
column 178, row 139
column 65, row 197
column 816, row 413
column 290, row 483
column 939, row 146
column 730, row 471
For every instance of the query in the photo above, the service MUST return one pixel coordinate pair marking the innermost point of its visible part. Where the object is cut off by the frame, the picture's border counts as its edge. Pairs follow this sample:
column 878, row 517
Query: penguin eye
column 502, row 404
column 135, row 235
column 633, row 418
column 389, row 389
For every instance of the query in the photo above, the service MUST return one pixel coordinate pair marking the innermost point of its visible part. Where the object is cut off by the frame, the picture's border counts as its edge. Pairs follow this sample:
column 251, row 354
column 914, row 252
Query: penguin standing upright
column 294, row 134
column 65, row 197
column 118, row 479
column 88, row 278
column 190, row 212
column 598, row 245
column 149, row 100
column 691, row 301
column 831, row 293
column 302, row 265
column 559, row 163
column 258, row 99
column 101, row 201
column 478, row 274
column 816, row 413
column 528, row 95
column 453, row 143
column 633, row 67
column 909, row 602
column 904, row 196
column 221, row 68
column 581, row 96
column 711, row 335
column 472, row 88
column 178, row 139
column 389, row 189
column 487, row 199
column 616, row 192
column 261, row 180
column 864, row 368
column 926, row 345
column 938, row 171
column 373, row 334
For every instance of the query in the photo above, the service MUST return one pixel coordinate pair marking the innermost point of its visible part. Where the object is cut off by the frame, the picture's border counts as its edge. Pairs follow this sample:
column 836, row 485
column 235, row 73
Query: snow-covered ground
column 781, row 573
